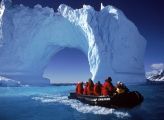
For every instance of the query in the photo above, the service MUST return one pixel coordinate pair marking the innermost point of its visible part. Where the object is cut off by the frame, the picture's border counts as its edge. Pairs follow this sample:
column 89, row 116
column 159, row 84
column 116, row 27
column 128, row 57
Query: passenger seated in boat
column 121, row 88
column 85, row 88
column 108, row 88
column 97, row 89
column 79, row 88
column 90, row 87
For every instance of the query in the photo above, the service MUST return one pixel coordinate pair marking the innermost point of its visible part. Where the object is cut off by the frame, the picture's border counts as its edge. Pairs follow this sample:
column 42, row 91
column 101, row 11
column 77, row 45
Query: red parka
column 97, row 89
column 107, row 88
column 79, row 89
column 90, row 88
column 85, row 89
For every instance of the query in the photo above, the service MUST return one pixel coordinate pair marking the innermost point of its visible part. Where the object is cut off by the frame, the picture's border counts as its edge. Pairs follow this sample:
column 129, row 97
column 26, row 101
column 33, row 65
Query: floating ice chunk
column 6, row 82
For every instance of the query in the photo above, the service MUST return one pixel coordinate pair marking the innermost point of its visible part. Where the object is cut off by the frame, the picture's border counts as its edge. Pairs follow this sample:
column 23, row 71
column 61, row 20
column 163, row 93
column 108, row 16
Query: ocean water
column 51, row 103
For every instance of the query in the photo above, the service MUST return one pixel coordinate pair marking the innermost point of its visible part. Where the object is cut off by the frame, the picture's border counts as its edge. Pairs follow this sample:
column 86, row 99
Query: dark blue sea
column 51, row 103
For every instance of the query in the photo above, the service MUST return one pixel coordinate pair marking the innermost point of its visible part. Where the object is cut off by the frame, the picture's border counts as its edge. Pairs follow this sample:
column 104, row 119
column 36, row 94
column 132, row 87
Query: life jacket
column 107, row 89
column 79, row 89
column 97, row 89
column 90, row 88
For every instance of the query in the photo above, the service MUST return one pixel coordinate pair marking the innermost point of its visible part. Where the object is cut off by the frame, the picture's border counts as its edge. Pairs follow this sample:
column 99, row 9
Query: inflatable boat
column 124, row 100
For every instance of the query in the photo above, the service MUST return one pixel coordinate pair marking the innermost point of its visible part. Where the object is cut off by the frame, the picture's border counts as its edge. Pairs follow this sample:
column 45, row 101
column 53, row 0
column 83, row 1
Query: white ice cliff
column 29, row 37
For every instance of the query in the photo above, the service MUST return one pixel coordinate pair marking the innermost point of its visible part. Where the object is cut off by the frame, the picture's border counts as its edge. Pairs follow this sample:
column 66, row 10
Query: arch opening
column 69, row 65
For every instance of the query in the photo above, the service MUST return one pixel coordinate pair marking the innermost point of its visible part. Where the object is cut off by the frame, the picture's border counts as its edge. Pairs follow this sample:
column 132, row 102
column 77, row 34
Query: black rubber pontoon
column 125, row 100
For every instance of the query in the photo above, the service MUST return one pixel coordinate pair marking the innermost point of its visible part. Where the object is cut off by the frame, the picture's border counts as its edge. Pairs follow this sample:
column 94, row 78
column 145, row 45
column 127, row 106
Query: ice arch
column 69, row 64
column 30, row 36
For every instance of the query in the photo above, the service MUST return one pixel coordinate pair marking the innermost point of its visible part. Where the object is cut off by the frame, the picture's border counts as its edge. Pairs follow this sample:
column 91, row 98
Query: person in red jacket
column 90, row 87
column 85, row 89
column 97, row 89
column 108, row 87
column 79, row 88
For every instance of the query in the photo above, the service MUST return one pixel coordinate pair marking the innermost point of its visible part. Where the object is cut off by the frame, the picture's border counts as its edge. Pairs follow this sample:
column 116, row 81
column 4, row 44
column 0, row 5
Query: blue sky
column 147, row 15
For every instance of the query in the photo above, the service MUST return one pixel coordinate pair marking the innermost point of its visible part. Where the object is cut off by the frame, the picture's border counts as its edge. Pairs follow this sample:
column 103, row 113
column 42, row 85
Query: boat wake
column 84, row 108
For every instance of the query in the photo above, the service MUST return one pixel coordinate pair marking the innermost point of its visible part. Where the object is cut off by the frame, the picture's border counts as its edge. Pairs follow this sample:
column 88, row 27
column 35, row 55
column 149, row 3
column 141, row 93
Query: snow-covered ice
column 155, row 75
column 29, row 37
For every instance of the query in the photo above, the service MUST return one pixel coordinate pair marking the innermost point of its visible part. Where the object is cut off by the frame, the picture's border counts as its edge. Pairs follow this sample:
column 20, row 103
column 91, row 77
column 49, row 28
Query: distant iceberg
column 155, row 75
column 6, row 82
column 29, row 37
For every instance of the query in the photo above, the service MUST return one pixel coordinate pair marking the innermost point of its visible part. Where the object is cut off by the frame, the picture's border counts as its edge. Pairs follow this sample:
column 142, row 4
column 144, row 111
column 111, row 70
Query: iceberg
column 6, row 82
column 29, row 37
column 155, row 76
